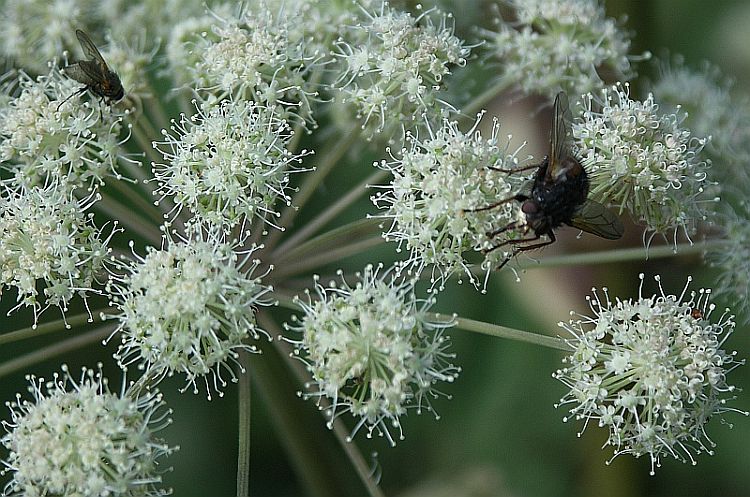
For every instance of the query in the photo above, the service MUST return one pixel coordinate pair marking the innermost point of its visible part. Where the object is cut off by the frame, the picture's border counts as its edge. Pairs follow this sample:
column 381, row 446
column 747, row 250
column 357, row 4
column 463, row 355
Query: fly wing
column 85, row 72
column 560, row 137
column 596, row 219
column 89, row 48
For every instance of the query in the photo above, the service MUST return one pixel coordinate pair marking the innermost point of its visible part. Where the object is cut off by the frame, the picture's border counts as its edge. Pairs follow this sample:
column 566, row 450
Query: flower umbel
column 227, row 163
column 393, row 77
column 436, row 183
column 652, row 371
column 42, row 137
column 48, row 240
column 554, row 44
column 188, row 308
column 373, row 351
column 642, row 160
column 75, row 437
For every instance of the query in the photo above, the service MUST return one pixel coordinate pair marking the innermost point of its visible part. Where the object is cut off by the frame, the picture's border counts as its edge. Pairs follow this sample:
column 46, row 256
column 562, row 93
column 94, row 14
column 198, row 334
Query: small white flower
column 642, row 160
column 436, row 183
column 394, row 64
column 559, row 44
column 372, row 351
column 41, row 137
column 652, row 371
column 50, row 249
column 188, row 308
column 733, row 259
column 77, row 438
column 228, row 163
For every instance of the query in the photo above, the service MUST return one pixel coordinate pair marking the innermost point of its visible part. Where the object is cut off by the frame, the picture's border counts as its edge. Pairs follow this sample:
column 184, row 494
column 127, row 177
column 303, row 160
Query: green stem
column 340, row 431
column 505, row 332
column 331, row 212
column 124, row 215
column 479, row 101
column 147, row 207
column 312, row 180
column 243, row 452
column 46, row 353
column 290, row 269
column 327, row 241
column 51, row 327
column 619, row 255
column 146, row 145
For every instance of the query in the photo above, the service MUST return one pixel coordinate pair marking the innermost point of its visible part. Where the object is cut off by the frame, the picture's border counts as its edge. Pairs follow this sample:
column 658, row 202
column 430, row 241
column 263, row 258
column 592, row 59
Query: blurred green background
column 499, row 435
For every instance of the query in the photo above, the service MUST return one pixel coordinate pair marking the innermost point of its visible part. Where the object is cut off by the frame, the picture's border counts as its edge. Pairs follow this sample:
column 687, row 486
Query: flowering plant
column 213, row 228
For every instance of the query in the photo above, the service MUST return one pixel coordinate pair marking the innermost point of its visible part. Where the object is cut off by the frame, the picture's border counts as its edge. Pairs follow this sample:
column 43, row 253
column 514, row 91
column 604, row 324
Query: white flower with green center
column 228, row 163
column 437, row 181
column 642, row 160
column 373, row 351
column 50, row 249
column 558, row 44
column 652, row 371
column 75, row 437
column 395, row 65
column 188, row 309
column 42, row 137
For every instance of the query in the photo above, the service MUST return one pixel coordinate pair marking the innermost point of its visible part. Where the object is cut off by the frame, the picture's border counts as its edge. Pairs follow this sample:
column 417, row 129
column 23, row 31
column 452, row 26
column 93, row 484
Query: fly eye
column 530, row 207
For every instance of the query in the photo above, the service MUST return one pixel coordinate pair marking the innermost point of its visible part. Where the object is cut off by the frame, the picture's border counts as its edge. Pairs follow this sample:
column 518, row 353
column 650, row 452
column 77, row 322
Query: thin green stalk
column 51, row 327
column 505, row 332
column 145, row 144
column 330, row 212
column 481, row 100
column 124, row 215
column 340, row 431
column 46, row 353
column 312, row 180
column 243, row 452
column 292, row 268
column 148, row 207
column 620, row 255
column 329, row 240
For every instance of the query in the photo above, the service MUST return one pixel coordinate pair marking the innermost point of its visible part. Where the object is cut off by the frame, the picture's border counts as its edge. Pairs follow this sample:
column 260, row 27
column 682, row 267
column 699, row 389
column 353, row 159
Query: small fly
column 94, row 73
column 559, row 195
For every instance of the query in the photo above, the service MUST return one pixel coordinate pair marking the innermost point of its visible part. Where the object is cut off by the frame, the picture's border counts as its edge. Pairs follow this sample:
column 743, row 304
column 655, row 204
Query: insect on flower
column 559, row 195
column 94, row 73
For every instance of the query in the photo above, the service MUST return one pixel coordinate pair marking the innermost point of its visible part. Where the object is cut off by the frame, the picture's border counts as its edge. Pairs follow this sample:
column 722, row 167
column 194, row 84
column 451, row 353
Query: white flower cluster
column 257, row 55
column 188, row 308
column 75, row 437
column 733, row 259
column 553, row 44
column 712, row 110
column 394, row 66
column 642, row 160
column 47, row 240
column 228, row 163
column 373, row 351
column 41, row 137
column 438, row 182
column 652, row 371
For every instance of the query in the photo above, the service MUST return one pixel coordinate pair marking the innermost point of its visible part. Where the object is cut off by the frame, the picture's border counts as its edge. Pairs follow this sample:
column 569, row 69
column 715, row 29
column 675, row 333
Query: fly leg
column 523, row 248
column 519, row 198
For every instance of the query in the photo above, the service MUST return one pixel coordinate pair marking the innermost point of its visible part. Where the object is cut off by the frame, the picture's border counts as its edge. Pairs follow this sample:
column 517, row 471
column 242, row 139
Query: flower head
column 554, row 44
column 372, row 350
column 712, row 110
column 43, row 136
column 642, row 160
column 50, row 249
column 188, row 308
column 227, row 163
column 75, row 437
column 437, row 182
column 394, row 64
column 651, row 370
column 255, row 54
column 733, row 259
